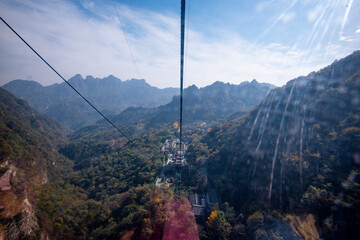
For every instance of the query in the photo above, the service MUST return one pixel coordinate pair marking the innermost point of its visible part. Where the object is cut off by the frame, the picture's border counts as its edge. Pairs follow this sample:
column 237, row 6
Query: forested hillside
column 297, row 152
column 53, row 188
column 28, row 156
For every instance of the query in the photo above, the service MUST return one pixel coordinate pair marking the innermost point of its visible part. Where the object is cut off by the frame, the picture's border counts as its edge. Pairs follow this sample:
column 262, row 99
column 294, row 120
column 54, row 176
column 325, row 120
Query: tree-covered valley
column 283, row 163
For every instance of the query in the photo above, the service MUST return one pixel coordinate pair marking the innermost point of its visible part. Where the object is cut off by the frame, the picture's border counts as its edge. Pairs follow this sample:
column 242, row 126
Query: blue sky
column 231, row 41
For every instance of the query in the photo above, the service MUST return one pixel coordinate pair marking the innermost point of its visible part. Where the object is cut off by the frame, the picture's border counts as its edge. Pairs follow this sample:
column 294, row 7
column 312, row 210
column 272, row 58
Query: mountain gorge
column 110, row 95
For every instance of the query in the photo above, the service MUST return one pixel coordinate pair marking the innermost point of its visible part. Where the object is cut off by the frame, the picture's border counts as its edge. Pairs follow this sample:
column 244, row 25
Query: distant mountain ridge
column 209, row 103
column 110, row 95
column 216, row 100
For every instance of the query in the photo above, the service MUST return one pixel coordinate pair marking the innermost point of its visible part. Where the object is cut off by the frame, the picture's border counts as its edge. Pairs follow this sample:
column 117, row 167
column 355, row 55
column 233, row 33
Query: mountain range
column 110, row 95
column 212, row 102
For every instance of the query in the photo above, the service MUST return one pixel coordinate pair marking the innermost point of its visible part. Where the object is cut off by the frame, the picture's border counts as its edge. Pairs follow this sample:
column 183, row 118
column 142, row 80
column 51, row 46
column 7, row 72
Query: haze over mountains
column 110, row 95
column 215, row 101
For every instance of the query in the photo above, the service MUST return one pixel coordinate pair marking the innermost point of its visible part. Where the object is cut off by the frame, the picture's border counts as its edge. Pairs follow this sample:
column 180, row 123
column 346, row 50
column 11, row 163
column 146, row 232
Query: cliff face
column 27, row 150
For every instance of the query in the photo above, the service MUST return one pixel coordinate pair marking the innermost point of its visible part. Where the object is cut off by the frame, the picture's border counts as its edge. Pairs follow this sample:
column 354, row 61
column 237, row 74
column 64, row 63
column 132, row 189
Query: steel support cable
column 69, row 84
column 108, row 120
column 187, row 41
column 182, row 34
column 127, row 40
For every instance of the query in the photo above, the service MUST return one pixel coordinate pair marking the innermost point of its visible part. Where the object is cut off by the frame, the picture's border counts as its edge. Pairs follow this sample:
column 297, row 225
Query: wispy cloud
column 261, row 6
column 279, row 18
column 286, row 17
column 86, row 38
column 347, row 39
column 314, row 13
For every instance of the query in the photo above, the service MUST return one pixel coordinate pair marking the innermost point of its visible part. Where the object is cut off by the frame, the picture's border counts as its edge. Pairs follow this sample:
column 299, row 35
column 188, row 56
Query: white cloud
column 314, row 13
column 261, row 6
column 93, row 44
column 347, row 39
column 89, row 5
column 286, row 17
column 357, row 31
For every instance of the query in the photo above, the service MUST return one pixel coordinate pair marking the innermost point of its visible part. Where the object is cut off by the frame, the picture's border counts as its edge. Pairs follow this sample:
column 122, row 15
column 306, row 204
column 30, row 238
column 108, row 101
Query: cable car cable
column 69, row 84
column 182, row 34
column 127, row 40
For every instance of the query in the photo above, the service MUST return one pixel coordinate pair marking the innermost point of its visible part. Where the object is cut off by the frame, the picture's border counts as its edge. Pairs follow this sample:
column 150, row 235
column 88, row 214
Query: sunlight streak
column 345, row 16
column 278, row 19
